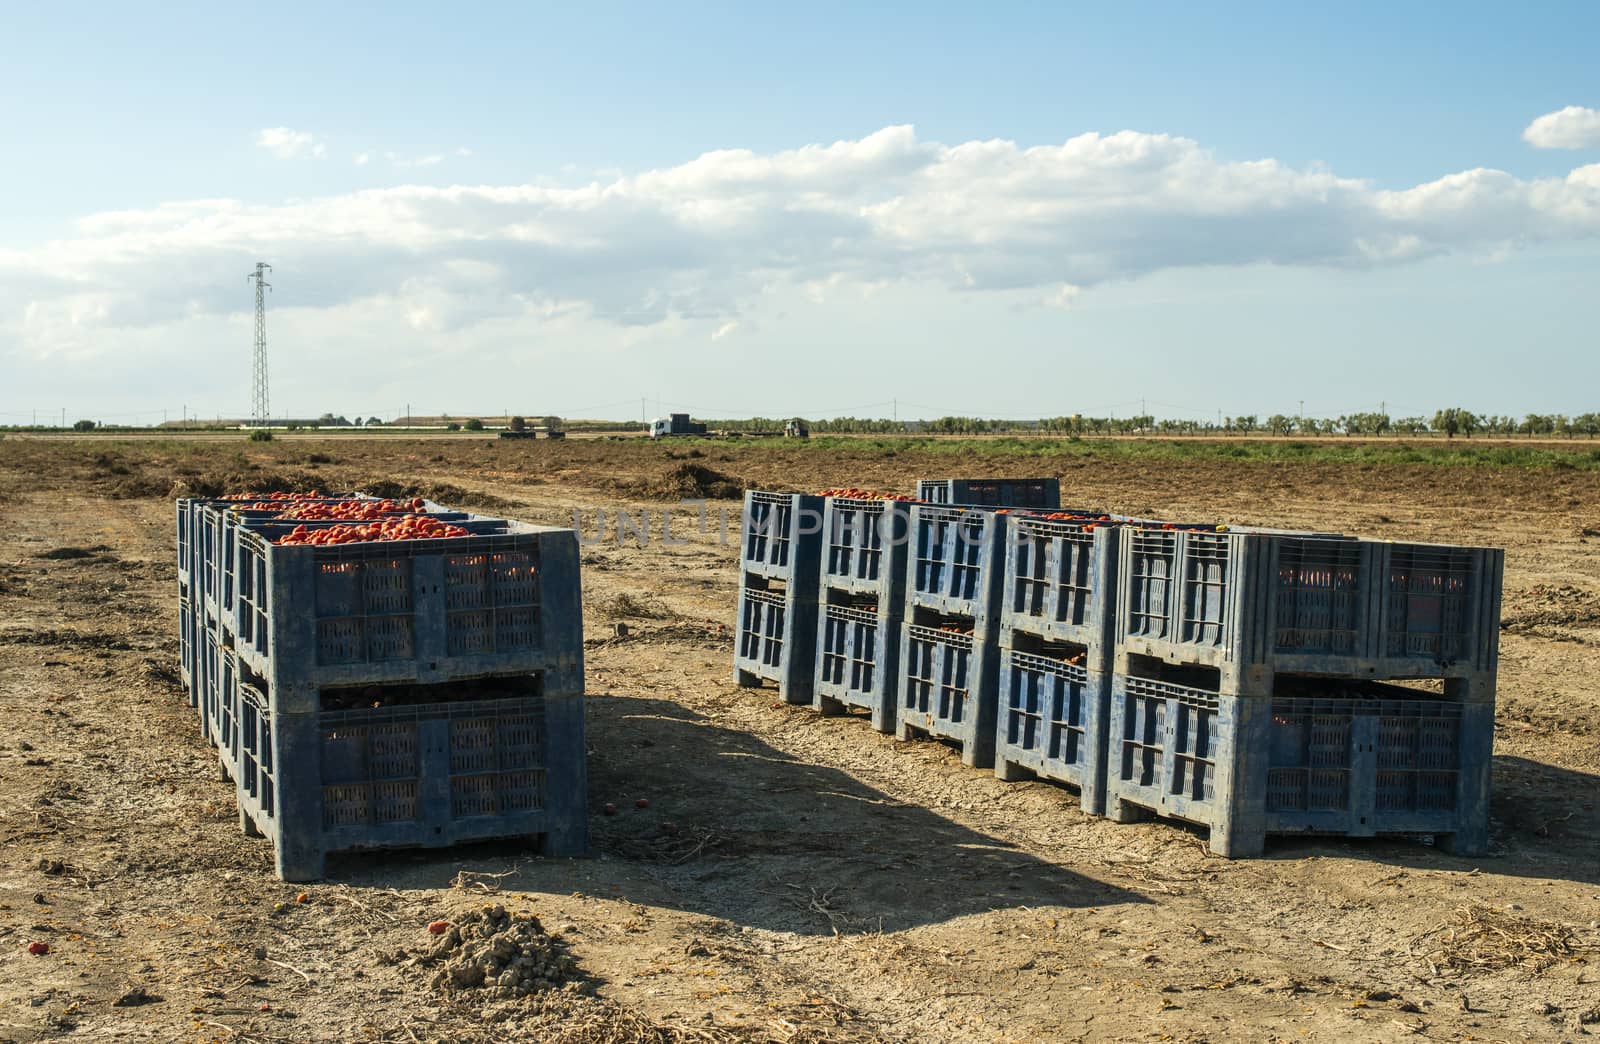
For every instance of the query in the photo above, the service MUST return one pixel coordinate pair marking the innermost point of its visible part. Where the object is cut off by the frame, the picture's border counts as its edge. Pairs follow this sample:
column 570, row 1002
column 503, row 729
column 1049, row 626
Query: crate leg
column 1011, row 772
column 978, row 754
column 222, row 772
column 1464, row 842
column 568, row 841
column 883, row 718
column 1120, row 811
column 567, row 787
column 827, row 706
column 746, row 679
column 1476, row 753
column 247, row 823
column 298, row 864
column 1231, row 842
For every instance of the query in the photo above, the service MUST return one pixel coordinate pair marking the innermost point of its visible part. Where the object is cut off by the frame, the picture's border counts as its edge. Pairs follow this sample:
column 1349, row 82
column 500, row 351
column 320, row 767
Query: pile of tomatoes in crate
column 278, row 498
column 852, row 493
column 360, row 519
column 399, row 527
column 354, row 510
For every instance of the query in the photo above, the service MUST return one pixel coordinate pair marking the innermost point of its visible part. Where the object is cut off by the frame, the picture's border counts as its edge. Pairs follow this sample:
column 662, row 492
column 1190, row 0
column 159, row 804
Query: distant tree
column 261, row 435
column 1587, row 423
column 371, row 421
column 1410, row 425
column 551, row 423
column 474, row 425
column 517, row 424
column 452, row 426
column 84, row 425
column 1278, row 424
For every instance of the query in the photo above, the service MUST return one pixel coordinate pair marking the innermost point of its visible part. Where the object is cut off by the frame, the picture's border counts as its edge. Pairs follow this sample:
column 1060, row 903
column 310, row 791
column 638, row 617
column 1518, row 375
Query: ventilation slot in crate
column 767, row 529
column 856, row 538
column 849, row 647
column 1192, row 738
column 761, row 629
column 937, row 676
column 1429, row 602
column 1205, row 601
column 1151, row 574
column 1319, row 596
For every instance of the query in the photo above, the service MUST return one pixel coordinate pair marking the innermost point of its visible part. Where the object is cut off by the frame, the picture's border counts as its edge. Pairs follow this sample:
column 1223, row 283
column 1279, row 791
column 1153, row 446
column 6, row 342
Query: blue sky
column 1267, row 233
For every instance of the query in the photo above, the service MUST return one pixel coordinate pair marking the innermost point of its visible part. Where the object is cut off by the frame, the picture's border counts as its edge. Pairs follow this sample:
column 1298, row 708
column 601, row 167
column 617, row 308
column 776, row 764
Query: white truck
column 675, row 424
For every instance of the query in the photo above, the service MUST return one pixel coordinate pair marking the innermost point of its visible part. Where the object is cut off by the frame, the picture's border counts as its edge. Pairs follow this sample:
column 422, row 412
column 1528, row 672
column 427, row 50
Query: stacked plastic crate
column 1252, row 681
column 393, row 693
column 1056, row 652
column 861, row 606
column 1254, row 686
column 775, row 634
column 950, row 643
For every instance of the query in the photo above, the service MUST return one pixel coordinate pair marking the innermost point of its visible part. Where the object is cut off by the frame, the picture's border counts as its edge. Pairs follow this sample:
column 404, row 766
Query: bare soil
column 793, row 878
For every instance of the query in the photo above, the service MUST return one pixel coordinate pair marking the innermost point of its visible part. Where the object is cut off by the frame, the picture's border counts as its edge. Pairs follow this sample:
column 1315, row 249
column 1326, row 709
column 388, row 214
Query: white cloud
column 361, row 159
column 1574, row 127
column 414, row 161
column 699, row 242
column 286, row 143
column 1063, row 296
column 463, row 151
column 724, row 330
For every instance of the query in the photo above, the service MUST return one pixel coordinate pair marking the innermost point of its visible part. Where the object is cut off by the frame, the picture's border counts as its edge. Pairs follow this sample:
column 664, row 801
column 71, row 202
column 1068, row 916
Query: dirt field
column 817, row 881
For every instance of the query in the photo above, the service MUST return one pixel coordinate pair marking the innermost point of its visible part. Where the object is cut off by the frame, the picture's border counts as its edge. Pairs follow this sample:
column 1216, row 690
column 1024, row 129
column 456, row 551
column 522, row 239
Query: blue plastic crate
column 948, row 688
column 864, row 547
column 858, row 660
column 781, row 536
column 1053, row 718
column 1364, row 760
column 775, row 637
column 956, row 563
column 1255, row 604
column 1040, row 493
column 1060, row 582
column 424, row 776
column 502, row 600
